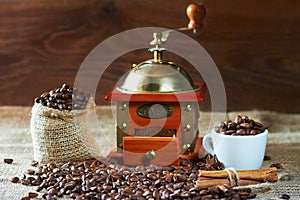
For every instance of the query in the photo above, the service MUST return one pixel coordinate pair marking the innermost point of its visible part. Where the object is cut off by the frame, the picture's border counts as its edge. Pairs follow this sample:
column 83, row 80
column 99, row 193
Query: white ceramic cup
column 239, row 152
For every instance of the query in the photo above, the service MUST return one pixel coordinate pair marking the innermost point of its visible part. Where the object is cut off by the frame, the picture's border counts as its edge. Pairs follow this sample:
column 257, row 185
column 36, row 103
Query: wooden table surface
column 16, row 143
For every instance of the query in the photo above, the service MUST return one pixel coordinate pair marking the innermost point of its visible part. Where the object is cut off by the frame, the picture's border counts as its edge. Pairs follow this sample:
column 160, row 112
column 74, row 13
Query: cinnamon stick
column 261, row 175
column 205, row 183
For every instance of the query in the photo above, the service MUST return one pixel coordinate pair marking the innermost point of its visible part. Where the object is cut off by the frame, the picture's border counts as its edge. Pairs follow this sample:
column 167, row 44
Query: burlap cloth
column 15, row 142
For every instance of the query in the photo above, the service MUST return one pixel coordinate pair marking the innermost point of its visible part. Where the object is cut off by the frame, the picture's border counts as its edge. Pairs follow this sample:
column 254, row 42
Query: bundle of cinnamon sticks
column 246, row 177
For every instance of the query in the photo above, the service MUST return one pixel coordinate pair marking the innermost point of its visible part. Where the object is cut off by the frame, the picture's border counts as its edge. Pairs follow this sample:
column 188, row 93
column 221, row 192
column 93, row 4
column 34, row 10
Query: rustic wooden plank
column 255, row 45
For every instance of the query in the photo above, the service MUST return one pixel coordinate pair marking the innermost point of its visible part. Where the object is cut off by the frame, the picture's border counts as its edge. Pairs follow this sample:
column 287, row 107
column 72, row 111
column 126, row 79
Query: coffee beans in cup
column 64, row 98
column 241, row 126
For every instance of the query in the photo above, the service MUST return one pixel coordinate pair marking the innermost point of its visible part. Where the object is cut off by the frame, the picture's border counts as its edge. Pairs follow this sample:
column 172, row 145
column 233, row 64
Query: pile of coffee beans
column 241, row 126
column 64, row 98
column 95, row 180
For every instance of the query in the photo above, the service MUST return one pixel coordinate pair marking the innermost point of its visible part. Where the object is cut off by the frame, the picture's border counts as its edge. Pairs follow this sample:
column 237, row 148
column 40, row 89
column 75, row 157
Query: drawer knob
column 150, row 155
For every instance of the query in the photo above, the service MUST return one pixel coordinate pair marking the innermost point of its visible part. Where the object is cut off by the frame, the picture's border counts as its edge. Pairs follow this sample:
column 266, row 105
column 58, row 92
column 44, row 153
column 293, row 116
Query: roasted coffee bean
column 34, row 163
column 32, row 194
column 246, row 119
column 240, row 126
column 218, row 129
column 25, row 182
column 231, row 125
column 30, row 179
column 8, row 160
column 230, row 132
column 30, row 171
column 65, row 86
column 15, row 179
column 64, row 98
column 285, row 196
column 178, row 185
column 207, row 197
column 245, row 125
column 238, row 120
column 266, row 158
column 222, row 125
column 35, row 182
column 241, row 131
column 25, row 198
column 203, row 192
column 254, row 132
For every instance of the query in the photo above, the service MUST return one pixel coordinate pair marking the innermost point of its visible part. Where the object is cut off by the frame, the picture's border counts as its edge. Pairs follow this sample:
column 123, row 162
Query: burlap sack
column 62, row 136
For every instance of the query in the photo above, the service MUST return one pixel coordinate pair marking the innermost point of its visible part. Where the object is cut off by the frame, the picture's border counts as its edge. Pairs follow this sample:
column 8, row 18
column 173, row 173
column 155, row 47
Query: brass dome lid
column 157, row 76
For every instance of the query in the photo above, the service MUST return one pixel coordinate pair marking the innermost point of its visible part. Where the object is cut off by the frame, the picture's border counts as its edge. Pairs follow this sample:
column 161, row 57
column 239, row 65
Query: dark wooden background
column 255, row 44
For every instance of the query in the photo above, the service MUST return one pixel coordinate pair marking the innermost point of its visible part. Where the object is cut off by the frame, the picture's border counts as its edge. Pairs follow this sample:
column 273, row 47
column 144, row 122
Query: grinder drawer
column 135, row 151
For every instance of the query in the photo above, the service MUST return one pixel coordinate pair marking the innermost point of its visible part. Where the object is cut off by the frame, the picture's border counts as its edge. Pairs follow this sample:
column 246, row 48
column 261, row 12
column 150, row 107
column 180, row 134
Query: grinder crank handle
column 195, row 13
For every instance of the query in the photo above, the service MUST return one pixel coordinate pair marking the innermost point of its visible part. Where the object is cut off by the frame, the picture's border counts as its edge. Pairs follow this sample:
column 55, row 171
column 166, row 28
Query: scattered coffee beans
column 242, row 126
column 93, row 179
column 277, row 165
column 8, row 160
column 64, row 98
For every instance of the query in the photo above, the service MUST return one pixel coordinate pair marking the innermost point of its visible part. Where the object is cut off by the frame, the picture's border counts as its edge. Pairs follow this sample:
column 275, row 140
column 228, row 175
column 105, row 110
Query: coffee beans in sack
column 59, row 126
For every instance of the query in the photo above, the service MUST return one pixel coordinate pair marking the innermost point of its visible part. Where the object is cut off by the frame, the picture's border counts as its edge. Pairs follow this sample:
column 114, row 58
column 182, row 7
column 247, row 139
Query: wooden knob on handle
column 196, row 13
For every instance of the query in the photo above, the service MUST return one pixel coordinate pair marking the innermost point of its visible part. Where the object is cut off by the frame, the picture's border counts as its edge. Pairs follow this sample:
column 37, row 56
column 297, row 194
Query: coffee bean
column 30, row 179
column 230, row 132
column 203, row 192
column 25, row 198
column 25, row 182
column 15, row 179
column 238, row 120
column 32, row 194
column 207, row 197
column 285, row 196
column 35, row 182
column 231, row 125
column 254, row 132
column 266, row 158
column 65, row 86
column 34, row 163
column 30, row 171
column 245, row 125
column 8, row 160
column 241, row 132
column 178, row 185
column 246, row 119
column 218, row 129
